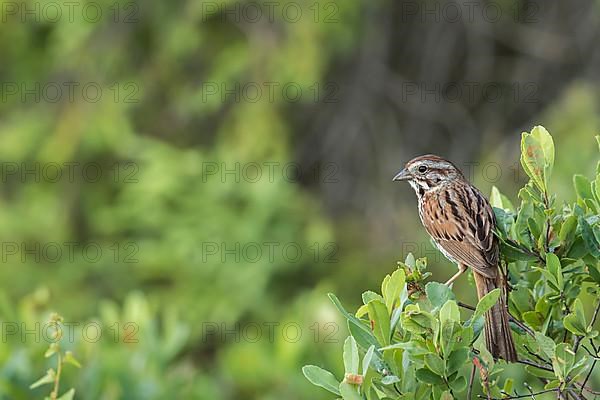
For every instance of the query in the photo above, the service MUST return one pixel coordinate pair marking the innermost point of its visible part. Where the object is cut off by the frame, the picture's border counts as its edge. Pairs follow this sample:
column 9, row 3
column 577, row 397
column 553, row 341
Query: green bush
column 416, row 343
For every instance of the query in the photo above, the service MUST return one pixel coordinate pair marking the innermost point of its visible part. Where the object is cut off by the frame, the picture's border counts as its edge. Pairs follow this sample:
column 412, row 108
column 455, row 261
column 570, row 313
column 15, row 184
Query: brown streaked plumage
column 461, row 222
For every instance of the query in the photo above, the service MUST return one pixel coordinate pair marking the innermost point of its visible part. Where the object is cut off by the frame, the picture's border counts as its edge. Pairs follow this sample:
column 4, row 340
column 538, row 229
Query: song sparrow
column 461, row 222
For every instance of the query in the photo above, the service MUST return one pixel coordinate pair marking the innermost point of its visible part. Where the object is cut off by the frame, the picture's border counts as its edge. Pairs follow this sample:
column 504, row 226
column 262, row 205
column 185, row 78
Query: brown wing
column 462, row 223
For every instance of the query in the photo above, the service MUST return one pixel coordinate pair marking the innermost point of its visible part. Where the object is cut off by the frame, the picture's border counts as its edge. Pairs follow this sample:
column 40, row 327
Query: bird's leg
column 461, row 268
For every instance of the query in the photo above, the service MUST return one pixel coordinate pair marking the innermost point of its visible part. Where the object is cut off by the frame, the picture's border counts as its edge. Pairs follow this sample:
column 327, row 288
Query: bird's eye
column 422, row 169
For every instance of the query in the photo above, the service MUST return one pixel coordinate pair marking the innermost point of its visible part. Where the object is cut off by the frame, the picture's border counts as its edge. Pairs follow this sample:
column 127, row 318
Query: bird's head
column 428, row 172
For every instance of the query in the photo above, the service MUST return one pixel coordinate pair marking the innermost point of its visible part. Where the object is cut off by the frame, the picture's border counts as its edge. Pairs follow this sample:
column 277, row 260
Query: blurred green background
column 192, row 177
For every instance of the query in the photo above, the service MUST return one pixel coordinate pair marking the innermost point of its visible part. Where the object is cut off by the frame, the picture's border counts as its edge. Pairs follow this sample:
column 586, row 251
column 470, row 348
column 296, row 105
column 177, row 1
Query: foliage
column 152, row 133
column 62, row 358
column 415, row 343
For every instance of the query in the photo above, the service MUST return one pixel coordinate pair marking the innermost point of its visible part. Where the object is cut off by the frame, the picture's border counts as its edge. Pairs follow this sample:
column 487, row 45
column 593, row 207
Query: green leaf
column 351, row 359
column 394, row 287
column 380, row 318
column 553, row 384
column 44, row 380
column 362, row 310
column 390, row 380
column 520, row 300
column 485, row 304
column 367, row 360
column 578, row 367
column 547, row 144
column 540, row 373
column 537, row 156
column 384, row 285
column 571, row 324
column 554, row 267
column 535, row 230
column 508, row 385
column 583, row 187
column 370, row 296
column 550, row 278
column 504, row 222
column 546, row 344
column 67, row 395
column 534, row 319
column 322, row 378
column 351, row 318
column 521, row 227
column 457, row 360
column 499, row 200
column 435, row 364
column 591, row 243
column 567, row 230
column 512, row 253
column 438, row 294
column 417, row 321
column 349, row 392
column 575, row 321
column 459, row 385
column 563, row 360
column 52, row 349
column 449, row 312
column 70, row 359
column 449, row 336
column 596, row 188
column 426, row 376
column 594, row 273
column 446, row 396
column 363, row 337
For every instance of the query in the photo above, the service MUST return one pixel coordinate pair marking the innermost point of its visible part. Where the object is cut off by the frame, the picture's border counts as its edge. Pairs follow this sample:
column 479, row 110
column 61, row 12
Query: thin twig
column 531, row 363
column 587, row 377
column 595, row 316
column 54, row 393
column 510, row 317
column 471, row 382
column 531, row 353
column 593, row 355
column 578, row 396
column 521, row 325
column 587, row 389
column 523, row 396
column 548, row 222
column 526, row 250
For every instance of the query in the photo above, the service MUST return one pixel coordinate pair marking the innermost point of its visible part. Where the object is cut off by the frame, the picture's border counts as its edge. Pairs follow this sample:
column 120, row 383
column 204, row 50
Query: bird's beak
column 403, row 175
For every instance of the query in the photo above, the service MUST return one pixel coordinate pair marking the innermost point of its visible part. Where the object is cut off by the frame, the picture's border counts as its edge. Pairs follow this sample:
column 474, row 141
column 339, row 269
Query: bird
column 462, row 224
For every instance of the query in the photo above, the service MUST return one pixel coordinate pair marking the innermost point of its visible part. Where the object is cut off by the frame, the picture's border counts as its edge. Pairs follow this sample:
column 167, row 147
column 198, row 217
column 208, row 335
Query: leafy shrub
column 415, row 343
column 52, row 376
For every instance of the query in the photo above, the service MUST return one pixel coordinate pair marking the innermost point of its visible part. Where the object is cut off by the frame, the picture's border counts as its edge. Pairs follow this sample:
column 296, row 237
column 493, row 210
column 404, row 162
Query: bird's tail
column 498, row 338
